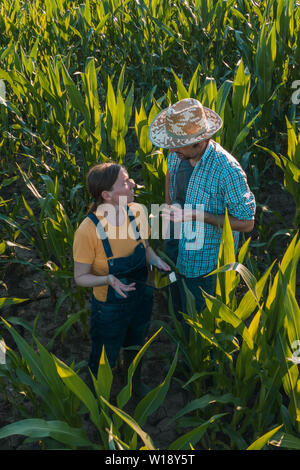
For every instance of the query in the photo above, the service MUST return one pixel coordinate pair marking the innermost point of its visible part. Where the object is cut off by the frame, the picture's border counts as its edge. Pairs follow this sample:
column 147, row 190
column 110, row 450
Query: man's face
column 191, row 152
column 186, row 153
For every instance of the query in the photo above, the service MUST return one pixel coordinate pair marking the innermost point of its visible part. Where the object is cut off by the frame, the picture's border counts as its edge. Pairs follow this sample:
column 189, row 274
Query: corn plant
column 290, row 165
column 52, row 239
column 64, row 398
column 118, row 114
column 243, row 350
column 60, row 399
column 80, row 83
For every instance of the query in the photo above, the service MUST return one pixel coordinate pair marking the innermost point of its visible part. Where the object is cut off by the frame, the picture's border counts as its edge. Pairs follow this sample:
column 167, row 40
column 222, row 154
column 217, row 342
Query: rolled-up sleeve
column 238, row 198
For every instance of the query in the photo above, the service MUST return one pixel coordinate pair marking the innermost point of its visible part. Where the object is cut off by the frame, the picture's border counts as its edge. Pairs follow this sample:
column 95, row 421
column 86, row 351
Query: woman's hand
column 160, row 264
column 155, row 260
column 119, row 286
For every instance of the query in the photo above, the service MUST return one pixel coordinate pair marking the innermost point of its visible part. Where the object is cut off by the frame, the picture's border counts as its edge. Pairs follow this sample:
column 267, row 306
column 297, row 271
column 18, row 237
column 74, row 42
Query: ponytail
column 92, row 208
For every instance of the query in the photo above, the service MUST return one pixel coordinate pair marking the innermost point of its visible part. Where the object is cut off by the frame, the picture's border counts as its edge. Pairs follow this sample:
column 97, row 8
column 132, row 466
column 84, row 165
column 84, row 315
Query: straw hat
column 184, row 123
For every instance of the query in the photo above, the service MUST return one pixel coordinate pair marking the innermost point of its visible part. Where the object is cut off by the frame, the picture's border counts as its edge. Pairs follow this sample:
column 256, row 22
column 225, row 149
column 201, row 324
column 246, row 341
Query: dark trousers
column 116, row 325
column 177, row 290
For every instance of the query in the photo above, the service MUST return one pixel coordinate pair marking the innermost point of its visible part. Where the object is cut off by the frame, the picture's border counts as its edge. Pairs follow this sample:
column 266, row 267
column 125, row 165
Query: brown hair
column 101, row 178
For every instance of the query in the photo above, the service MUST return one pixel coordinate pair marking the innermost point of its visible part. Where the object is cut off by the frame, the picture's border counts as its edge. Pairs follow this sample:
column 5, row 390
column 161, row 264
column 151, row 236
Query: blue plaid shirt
column 217, row 182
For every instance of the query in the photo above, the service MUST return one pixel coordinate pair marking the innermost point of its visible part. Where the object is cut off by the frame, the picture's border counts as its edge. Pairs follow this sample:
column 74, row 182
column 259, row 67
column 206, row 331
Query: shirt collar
column 206, row 154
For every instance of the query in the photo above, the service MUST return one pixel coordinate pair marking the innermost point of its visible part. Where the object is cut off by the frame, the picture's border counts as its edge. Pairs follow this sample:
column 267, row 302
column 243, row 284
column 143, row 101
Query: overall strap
column 133, row 223
column 102, row 234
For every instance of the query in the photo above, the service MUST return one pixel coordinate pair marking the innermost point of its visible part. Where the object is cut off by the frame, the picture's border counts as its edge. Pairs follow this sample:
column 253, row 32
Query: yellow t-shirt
column 88, row 247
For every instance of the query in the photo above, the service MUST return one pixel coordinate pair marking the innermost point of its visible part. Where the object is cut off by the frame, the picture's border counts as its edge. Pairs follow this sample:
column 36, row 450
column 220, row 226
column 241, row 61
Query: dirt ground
column 21, row 281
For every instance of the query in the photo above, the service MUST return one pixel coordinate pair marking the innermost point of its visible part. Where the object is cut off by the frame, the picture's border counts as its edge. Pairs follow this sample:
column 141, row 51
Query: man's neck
column 202, row 147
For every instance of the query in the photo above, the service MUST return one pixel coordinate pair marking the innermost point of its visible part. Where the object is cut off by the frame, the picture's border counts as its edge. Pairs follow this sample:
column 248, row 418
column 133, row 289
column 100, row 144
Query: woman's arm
column 84, row 278
column 154, row 259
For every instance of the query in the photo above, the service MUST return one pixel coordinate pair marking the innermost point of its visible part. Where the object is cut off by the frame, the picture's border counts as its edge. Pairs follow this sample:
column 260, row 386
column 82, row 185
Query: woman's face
column 122, row 191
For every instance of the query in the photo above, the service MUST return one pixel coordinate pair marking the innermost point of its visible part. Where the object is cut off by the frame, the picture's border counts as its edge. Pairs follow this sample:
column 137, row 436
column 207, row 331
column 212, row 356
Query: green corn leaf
column 276, row 157
column 244, row 132
column 2, row 248
column 28, row 208
column 58, row 392
column 181, row 90
column 290, row 378
column 203, row 402
column 291, row 307
column 206, row 335
column 245, row 369
column 194, row 436
column 76, row 97
column 132, row 423
column 87, row 12
column 222, row 97
column 252, row 298
column 104, row 379
column 222, row 311
column 102, row 23
column 121, row 79
column 20, row 321
column 193, row 86
column 244, row 272
column 79, row 388
column 29, row 183
column 243, row 250
column 293, row 144
column 288, row 268
column 197, row 376
column 91, row 92
column 141, row 129
column 119, row 121
column 128, row 107
column 165, row 28
column 28, row 353
column 155, row 397
column 209, row 93
column 288, row 441
column 64, row 328
column 240, row 93
column 226, row 281
column 40, row 428
column 8, row 301
column 263, row 440
column 126, row 392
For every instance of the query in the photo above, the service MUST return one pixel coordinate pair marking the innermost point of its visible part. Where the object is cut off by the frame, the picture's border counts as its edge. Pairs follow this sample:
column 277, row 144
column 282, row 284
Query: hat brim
column 160, row 138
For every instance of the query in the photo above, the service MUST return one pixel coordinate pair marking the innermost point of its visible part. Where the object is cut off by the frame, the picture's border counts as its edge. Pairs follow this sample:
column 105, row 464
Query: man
column 207, row 179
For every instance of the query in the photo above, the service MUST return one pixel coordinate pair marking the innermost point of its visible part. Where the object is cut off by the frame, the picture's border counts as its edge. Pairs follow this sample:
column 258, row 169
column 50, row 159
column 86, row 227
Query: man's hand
column 176, row 214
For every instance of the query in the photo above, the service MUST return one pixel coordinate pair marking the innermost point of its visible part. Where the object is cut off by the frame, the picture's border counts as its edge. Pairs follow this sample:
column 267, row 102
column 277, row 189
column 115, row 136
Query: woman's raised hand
column 119, row 286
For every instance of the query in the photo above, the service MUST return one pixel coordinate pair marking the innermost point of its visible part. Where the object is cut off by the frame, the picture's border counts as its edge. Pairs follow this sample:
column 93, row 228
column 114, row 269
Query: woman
column 114, row 262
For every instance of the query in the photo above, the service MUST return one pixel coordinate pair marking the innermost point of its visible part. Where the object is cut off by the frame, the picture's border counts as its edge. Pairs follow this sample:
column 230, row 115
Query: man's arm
column 236, row 224
column 177, row 214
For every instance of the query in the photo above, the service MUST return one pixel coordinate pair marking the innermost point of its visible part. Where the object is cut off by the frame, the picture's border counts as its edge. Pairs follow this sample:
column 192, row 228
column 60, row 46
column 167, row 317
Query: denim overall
column 121, row 321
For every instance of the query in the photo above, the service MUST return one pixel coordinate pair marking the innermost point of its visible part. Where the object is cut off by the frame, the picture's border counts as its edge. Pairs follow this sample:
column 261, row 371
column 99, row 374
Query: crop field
column 80, row 82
